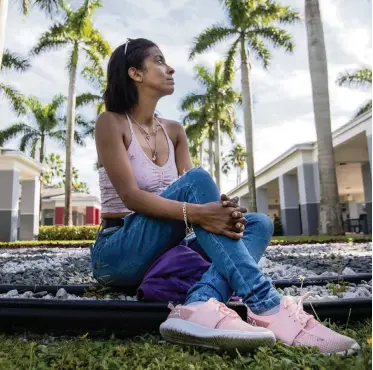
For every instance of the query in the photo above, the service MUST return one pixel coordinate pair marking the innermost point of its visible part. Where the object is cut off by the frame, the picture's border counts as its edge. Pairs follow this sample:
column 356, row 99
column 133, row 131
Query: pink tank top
column 149, row 176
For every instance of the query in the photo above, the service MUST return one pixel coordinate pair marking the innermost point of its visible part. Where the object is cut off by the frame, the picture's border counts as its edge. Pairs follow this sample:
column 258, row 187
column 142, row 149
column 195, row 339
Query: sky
column 283, row 112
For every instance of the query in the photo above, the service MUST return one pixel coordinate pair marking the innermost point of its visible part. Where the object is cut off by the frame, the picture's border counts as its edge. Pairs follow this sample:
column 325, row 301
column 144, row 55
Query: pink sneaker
column 295, row 327
column 213, row 325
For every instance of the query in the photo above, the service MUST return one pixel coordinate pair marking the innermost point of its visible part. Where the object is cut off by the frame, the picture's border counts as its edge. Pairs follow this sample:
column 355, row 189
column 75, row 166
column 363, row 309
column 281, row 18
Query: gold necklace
column 147, row 134
column 147, row 137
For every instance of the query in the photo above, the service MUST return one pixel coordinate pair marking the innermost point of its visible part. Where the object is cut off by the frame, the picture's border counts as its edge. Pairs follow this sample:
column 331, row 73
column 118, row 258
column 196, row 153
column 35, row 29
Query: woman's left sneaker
column 294, row 327
column 213, row 325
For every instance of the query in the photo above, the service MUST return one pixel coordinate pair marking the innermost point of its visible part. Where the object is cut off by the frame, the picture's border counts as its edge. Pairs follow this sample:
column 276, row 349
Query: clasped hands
column 237, row 213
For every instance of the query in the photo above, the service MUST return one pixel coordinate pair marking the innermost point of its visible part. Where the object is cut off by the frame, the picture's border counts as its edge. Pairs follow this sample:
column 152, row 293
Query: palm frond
column 269, row 11
column 98, row 44
column 203, row 76
column 94, row 76
column 95, row 60
column 25, row 141
column 34, row 148
column 15, row 98
column 88, row 98
column 210, row 37
column 191, row 100
column 13, row 131
column 12, row 61
column 277, row 36
column 229, row 70
column 53, row 39
column 261, row 52
column 57, row 101
column 358, row 78
column 50, row 7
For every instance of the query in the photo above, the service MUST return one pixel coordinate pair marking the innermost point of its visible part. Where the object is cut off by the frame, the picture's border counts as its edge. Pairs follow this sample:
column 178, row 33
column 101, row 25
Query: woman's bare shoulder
column 109, row 118
column 172, row 127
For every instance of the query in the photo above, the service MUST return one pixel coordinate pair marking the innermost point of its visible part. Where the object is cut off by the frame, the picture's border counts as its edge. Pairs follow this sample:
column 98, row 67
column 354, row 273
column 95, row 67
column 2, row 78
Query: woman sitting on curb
column 151, row 196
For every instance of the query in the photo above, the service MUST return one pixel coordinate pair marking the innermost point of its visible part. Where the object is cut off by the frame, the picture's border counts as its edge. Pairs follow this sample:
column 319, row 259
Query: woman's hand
column 218, row 219
column 237, row 213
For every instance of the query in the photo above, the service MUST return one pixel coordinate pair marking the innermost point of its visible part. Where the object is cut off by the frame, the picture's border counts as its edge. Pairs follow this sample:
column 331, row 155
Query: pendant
column 154, row 157
column 147, row 137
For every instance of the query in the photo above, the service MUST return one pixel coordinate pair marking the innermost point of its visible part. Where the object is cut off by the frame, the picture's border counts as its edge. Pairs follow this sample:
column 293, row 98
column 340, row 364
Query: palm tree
column 42, row 123
column 217, row 105
column 359, row 78
column 48, row 6
column 330, row 211
column 76, row 32
column 197, row 129
column 250, row 22
column 12, row 61
column 236, row 158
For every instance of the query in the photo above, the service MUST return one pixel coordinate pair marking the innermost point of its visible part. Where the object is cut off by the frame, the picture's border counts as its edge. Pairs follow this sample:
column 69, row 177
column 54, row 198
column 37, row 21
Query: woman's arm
column 113, row 156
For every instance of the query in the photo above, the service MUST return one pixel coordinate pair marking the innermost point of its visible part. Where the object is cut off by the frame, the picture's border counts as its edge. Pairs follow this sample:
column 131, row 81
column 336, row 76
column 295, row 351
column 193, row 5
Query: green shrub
column 67, row 232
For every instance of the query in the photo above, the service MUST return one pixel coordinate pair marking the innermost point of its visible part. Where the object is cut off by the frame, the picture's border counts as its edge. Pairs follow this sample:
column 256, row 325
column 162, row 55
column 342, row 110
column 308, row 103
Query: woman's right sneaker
column 213, row 325
column 294, row 327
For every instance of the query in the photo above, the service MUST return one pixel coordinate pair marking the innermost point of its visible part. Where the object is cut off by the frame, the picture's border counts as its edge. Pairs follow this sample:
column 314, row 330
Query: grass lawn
column 150, row 352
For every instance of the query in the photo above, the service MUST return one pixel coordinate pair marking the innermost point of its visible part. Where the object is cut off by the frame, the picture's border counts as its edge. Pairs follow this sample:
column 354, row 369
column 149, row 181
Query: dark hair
column 121, row 93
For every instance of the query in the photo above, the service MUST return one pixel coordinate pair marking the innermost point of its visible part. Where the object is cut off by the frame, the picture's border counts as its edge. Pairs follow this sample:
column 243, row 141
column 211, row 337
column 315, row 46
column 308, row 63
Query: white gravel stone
column 348, row 271
column 12, row 293
column 61, row 294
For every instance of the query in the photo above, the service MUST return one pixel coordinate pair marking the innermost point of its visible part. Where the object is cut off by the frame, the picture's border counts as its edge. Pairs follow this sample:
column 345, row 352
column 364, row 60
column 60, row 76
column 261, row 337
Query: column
column 309, row 204
column 353, row 209
column 244, row 202
column 90, row 215
column 290, row 218
column 30, row 209
column 9, row 185
column 369, row 141
column 262, row 200
column 58, row 215
column 367, row 182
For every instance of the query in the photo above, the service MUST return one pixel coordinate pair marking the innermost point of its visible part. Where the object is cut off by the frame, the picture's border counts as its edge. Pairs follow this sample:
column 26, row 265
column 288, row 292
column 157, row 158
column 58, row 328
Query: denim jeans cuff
column 265, row 305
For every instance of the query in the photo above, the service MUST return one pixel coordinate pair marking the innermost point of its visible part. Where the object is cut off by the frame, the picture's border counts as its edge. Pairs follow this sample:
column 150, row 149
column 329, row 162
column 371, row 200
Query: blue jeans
column 122, row 256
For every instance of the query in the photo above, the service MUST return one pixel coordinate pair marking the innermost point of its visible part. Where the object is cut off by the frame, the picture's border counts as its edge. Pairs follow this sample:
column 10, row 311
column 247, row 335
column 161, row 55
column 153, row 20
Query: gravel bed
column 60, row 266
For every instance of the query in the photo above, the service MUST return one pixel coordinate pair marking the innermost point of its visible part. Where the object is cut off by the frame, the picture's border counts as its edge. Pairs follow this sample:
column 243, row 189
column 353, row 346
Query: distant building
column 86, row 208
column 20, row 199
column 289, row 186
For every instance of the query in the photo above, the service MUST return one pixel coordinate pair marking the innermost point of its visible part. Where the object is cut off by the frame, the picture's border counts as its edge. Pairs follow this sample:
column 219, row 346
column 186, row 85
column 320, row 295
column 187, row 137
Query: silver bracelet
column 188, row 230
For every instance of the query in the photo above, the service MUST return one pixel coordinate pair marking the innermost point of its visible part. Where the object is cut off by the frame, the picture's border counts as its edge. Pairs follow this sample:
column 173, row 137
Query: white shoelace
column 296, row 309
column 222, row 307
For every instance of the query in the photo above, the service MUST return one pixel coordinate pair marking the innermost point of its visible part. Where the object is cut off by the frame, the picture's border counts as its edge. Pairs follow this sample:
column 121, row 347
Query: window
column 48, row 216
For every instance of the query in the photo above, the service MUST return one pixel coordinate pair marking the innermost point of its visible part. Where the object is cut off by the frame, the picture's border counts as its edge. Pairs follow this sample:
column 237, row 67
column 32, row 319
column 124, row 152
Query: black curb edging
column 123, row 319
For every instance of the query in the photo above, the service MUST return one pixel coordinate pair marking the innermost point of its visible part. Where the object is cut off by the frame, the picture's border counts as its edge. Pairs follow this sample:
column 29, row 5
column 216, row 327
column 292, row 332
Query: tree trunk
column 248, row 123
column 211, row 157
column 201, row 154
column 3, row 18
column 330, row 211
column 69, row 142
column 41, row 160
column 217, row 155
column 238, row 175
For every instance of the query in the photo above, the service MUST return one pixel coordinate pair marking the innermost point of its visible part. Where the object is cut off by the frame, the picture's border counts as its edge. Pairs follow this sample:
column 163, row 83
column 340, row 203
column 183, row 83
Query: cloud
column 283, row 111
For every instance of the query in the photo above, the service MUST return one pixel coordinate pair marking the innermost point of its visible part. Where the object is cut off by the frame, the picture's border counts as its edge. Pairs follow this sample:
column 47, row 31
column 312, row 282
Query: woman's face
column 158, row 75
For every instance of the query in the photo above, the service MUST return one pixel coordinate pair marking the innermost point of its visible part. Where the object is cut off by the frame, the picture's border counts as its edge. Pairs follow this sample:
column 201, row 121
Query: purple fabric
column 172, row 275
